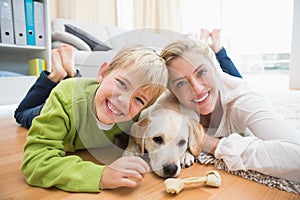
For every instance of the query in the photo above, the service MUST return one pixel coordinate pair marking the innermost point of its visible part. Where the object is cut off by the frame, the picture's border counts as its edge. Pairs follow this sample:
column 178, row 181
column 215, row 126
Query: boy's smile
column 120, row 96
column 113, row 109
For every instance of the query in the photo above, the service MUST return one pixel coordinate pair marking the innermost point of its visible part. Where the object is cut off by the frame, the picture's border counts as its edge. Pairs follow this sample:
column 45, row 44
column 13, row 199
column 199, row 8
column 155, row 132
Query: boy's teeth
column 115, row 112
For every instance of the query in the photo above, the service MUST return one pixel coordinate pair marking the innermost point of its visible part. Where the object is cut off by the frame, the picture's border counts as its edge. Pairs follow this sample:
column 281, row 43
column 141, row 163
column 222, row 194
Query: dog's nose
column 170, row 170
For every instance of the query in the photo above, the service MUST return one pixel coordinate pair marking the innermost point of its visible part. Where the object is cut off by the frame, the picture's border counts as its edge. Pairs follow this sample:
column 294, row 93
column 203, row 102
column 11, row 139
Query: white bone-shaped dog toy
column 175, row 185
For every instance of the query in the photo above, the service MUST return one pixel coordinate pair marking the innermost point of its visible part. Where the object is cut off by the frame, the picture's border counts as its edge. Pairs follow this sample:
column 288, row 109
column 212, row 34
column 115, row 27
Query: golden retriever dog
column 169, row 133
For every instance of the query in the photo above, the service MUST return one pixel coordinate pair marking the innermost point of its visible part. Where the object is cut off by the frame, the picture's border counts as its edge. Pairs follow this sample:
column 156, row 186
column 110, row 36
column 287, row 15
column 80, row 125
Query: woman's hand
column 210, row 144
column 124, row 172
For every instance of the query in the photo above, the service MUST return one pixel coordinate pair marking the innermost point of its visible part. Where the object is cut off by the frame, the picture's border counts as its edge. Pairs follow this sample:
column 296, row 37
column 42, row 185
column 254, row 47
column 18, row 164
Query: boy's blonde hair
column 147, row 64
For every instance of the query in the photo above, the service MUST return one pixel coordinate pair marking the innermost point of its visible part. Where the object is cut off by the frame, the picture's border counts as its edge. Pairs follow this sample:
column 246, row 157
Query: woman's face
column 192, row 79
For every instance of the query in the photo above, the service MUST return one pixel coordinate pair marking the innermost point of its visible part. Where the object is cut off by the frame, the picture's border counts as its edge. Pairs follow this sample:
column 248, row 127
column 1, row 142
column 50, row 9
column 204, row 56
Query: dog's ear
column 196, row 136
column 139, row 130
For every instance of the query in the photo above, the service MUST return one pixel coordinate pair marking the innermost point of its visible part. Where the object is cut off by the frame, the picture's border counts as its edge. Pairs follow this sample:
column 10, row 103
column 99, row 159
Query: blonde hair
column 179, row 47
column 147, row 64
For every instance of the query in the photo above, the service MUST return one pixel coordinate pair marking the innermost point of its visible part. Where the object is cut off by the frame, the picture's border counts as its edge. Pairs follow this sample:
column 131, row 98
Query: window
column 256, row 33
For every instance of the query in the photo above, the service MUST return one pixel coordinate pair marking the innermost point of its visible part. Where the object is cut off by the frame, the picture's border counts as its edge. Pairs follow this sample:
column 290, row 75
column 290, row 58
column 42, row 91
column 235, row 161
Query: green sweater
column 66, row 124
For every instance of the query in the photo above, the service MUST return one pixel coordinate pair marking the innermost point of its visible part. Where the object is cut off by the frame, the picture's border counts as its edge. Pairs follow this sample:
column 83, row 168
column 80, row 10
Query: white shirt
column 253, row 135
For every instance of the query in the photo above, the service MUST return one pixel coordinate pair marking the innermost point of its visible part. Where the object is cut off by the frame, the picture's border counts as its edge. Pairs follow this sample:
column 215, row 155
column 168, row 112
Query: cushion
column 68, row 38
column 94, row 43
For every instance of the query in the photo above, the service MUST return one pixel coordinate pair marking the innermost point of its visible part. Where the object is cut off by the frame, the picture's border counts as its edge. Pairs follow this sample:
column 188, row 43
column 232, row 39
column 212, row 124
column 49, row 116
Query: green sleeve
column 45, row 164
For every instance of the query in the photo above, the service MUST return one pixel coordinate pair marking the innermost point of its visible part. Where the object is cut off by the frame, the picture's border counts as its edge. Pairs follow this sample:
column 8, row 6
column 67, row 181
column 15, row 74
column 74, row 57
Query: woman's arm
column 272, row 148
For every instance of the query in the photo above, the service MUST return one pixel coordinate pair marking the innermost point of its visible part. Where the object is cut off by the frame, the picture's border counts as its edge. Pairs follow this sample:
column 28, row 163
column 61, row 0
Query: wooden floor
column 13, row 186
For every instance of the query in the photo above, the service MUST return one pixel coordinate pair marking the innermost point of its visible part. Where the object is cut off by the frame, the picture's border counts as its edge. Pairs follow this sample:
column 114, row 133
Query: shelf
column 12, row 48
column 14, row 58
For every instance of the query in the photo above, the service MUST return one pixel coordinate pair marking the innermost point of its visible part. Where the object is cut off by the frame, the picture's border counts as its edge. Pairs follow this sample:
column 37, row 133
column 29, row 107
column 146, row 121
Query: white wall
column 14, row 89
column 295, row 50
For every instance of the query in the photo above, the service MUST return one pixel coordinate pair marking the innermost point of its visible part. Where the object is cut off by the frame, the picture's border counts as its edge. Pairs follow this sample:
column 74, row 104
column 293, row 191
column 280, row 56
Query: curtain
column 94, row 11
column 164, row 14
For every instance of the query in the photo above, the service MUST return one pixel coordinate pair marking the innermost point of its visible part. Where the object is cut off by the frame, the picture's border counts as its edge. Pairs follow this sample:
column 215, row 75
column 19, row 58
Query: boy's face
column 119, row 97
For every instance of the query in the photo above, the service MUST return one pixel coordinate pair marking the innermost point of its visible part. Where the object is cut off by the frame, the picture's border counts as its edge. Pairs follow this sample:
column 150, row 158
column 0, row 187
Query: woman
column 241, row 129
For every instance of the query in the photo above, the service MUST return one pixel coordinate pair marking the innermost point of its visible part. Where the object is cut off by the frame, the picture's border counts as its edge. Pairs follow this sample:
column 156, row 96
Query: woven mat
column 273, row 182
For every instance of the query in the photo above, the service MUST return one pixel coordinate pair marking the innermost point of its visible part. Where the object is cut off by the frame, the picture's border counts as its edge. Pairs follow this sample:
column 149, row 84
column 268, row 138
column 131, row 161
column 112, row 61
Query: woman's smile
column 202, row 98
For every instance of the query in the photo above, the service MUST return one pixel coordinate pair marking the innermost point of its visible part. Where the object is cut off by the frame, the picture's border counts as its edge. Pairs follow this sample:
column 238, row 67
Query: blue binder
column 29, row 12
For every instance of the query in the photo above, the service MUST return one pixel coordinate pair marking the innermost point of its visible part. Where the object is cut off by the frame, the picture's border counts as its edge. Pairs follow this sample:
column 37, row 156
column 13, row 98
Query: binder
column 29, row 18
column 39, row 25
column 36, row 66
column 6, row 21
column 19, row 22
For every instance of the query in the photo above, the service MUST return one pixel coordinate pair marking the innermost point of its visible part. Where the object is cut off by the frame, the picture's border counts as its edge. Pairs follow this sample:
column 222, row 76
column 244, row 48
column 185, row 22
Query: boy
column 83, row 113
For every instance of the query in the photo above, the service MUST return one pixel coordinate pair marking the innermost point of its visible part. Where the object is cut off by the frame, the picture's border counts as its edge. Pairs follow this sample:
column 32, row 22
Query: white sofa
column 88, row 61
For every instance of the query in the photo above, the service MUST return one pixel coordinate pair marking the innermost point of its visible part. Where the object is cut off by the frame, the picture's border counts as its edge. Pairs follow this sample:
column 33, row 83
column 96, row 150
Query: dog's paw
column 133, row 149
column 187, row 160
column 128, row 153
column 132, row 152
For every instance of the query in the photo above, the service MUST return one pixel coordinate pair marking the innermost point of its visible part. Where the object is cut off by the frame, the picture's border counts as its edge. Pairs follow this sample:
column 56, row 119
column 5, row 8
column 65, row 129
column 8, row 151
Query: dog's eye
column 158, row 140
column 181, row 142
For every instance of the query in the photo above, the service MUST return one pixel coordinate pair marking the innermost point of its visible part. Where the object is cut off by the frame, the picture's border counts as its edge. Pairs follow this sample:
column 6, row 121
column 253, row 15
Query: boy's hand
column 124, row 172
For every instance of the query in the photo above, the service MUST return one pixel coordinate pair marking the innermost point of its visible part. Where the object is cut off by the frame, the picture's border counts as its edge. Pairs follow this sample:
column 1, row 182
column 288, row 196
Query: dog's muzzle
column 170, row 170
